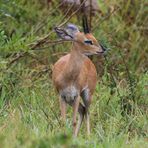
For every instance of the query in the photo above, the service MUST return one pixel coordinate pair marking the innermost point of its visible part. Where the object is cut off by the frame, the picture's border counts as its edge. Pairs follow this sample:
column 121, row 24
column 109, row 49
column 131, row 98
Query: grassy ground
column 29, row 109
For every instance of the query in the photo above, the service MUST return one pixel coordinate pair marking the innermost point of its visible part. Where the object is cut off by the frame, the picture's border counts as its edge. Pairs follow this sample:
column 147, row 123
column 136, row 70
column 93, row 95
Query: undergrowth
column 29, row 107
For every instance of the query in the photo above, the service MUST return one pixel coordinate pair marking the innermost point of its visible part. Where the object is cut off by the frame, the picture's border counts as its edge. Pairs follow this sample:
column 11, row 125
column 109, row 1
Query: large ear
column 67, row 33
column 72, row 29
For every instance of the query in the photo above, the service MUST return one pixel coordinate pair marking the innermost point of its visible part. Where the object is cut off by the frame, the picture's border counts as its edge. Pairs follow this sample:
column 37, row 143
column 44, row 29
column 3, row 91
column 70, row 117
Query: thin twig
column 40, row 41
column 21, row 55
column 18, row 56
column 44, row 39
column 90, row 15
column 44, row 21
column 113, row 80
column 127, row 70
column 72, row 14
column 52, row 110
column 66, row 13
column 106, row 17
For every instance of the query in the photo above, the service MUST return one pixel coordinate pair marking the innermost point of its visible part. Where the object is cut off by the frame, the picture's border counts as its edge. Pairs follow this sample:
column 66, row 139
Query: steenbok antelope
column 74, row 75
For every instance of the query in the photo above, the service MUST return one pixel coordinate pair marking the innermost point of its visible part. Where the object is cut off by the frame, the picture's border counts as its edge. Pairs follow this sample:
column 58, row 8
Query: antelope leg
column 75, row 110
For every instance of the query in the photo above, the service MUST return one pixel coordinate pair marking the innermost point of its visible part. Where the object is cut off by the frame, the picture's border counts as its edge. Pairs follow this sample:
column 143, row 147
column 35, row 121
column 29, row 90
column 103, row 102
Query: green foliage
column 29, row 107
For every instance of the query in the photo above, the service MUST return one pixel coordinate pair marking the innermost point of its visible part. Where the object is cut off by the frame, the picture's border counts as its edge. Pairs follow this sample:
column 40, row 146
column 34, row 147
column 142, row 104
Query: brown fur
column 80, row 74
column 76, row 69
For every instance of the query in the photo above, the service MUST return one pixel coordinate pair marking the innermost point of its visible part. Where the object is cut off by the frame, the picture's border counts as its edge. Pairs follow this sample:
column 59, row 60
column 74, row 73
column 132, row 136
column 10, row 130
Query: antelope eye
column 88, row 42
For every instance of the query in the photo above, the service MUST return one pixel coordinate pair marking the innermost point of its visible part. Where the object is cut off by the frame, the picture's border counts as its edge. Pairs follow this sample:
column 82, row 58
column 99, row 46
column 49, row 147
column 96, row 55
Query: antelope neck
column 75, row 61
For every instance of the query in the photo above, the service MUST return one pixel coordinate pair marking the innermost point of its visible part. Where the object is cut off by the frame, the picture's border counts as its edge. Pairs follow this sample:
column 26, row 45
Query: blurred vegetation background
column 29, row 109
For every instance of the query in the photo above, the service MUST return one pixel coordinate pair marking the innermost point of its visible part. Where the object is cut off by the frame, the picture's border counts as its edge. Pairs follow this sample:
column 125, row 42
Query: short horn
column 85, row 25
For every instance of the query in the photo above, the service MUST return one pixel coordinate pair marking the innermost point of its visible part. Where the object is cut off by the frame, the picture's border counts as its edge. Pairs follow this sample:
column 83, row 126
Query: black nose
column 103, row 48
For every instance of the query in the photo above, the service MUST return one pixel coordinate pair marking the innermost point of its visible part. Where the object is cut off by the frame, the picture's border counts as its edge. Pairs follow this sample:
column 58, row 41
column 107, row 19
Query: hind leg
column 81, row 111
column 87, row 104
column 87, row 100
column 87, row 122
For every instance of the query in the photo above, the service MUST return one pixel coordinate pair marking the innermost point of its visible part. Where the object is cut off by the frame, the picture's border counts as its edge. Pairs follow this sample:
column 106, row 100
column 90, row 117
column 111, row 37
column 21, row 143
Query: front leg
column 75, row 110
column 63, row 109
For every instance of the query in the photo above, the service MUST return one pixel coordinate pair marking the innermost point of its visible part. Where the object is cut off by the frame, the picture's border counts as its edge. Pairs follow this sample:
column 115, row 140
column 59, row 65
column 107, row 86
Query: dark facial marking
column 89, row 42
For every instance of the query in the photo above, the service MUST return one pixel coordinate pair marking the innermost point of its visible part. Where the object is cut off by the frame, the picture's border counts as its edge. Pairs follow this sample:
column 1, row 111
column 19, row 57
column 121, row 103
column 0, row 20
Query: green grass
column 29, row 107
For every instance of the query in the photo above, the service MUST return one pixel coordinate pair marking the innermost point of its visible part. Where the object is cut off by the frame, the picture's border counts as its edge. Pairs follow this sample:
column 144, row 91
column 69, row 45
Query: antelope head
column 85, row 41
